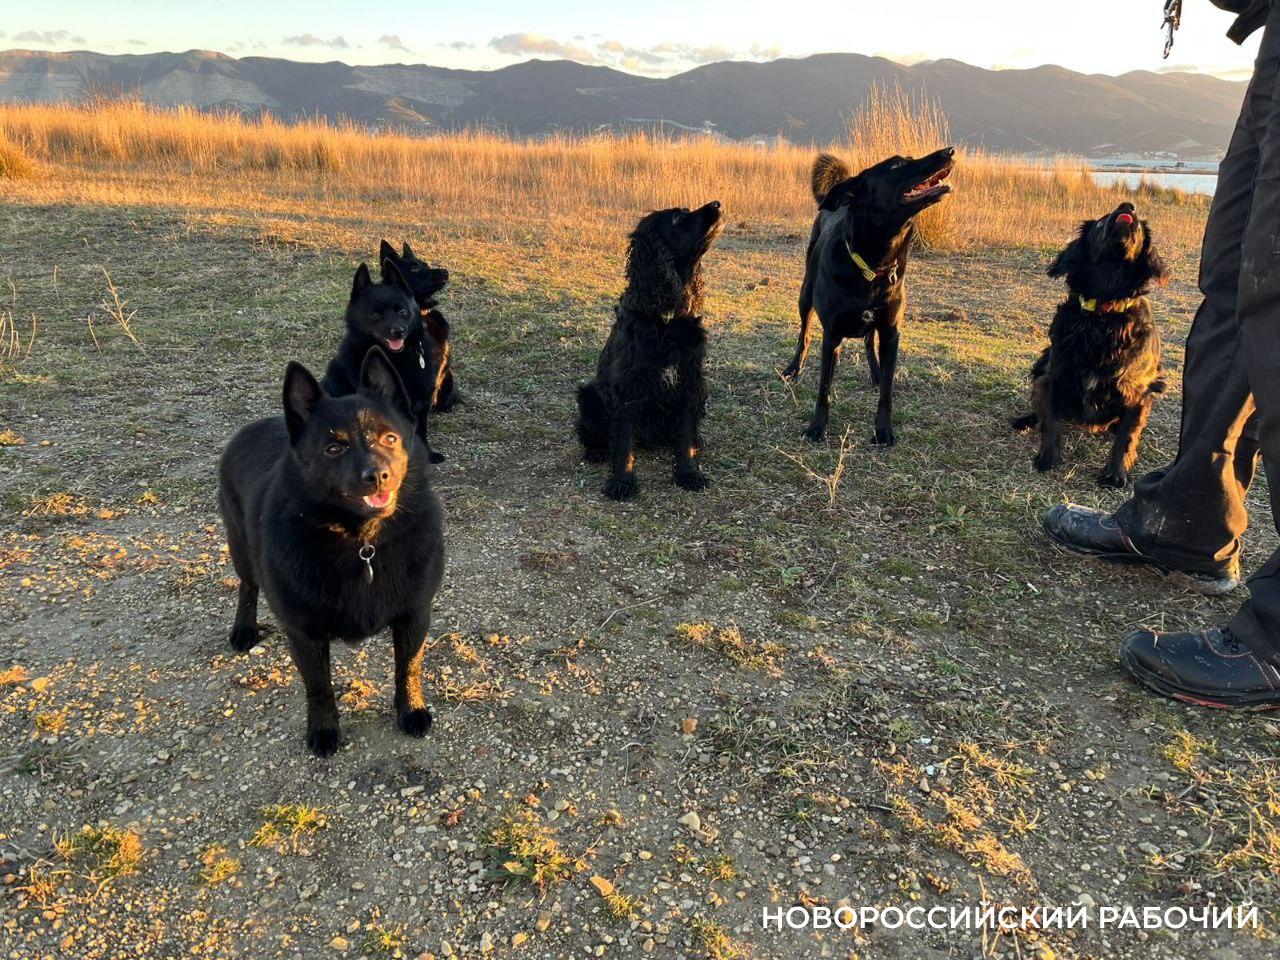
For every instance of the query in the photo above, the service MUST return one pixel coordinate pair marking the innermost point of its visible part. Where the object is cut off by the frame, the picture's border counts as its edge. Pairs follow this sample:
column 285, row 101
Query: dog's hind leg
column 408, row 635
column 593, row 424
column 884, row 435
column 311, row 657
column 1124, row 450
column 802, row 344
column 830, row 360
column 872, row 362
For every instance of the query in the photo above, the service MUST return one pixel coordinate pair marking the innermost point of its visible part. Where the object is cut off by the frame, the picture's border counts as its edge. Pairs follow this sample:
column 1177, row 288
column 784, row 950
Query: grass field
column 864, row 671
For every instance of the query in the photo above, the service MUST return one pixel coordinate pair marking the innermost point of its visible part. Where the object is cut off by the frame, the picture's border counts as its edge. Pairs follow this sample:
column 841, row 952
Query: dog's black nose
column 949, row 152
column 714, row 204
column 374, row 475
column 1127, row 207
column 397, row 333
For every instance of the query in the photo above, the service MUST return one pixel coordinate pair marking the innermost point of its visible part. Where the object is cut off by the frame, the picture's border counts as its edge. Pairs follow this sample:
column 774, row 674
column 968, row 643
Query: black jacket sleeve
column 1250, row 16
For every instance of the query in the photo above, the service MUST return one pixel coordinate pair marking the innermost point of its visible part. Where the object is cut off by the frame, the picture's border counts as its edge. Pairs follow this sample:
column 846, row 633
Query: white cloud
column 522, row 44
column 392, row 41
column 311, row 40
column 49, row 38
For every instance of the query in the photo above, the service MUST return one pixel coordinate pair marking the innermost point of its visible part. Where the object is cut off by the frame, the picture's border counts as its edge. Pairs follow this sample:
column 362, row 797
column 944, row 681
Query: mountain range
column 1047, row 109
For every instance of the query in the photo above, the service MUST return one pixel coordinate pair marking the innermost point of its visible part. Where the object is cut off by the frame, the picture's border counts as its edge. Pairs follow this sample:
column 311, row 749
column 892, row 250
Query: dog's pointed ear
column 847, row 191
column 1073, row 254
column 1153, row 264
column 392, row 274
column 653, row 284
column 386, row 252
column 301, row 394
column 378, row 378
column 406, row 251
column 361, row 281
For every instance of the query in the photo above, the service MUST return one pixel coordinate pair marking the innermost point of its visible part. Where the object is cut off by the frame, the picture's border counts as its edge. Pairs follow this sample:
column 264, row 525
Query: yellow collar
column 1092, row 305
column 891, row 274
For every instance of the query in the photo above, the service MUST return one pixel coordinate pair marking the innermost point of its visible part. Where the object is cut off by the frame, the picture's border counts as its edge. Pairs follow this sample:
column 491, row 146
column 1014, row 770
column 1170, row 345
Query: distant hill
column 1046, row 109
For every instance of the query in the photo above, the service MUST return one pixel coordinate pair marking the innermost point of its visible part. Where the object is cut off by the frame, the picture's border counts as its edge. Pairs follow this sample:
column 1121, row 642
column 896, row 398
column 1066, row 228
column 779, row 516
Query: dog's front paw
column 415, row 723
column 621, row 487
column 244, row 638
column 693, row 479
column 323, row 741
column 884, row 437
column 1045, row 461
column 815, row 433
column 1119, row 479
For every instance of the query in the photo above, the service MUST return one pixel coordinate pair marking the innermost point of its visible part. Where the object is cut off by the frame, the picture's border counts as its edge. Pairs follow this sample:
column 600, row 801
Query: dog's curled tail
column 828, row 170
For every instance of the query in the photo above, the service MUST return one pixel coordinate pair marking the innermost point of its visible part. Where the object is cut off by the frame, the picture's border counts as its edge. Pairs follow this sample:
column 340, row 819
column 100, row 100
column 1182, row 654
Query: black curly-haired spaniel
column 649, row 388
column 1101, row 370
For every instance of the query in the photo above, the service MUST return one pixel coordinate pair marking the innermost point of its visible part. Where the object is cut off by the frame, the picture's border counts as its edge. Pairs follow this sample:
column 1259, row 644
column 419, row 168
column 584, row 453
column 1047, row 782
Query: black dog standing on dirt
column 649, row 388
column 385, row 315
column 1101, row 370
column 856, row 268
column 425, row 281
column 328, row 511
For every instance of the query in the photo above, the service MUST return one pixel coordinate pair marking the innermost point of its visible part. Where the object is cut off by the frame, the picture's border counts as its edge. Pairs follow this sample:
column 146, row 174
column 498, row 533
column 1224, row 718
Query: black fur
column 649, row 388
column 873, row 216
column 385, row 315
column 293, row 491
column 425, row 281
column 1101, row 370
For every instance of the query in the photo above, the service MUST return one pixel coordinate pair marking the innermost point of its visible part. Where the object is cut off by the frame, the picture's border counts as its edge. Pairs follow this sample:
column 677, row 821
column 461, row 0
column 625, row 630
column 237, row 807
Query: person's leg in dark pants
column 1239, row 665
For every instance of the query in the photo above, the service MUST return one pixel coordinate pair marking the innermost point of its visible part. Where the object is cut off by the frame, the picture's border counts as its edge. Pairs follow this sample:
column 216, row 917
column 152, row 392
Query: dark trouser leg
column 1258, row 622
column 1191, row 514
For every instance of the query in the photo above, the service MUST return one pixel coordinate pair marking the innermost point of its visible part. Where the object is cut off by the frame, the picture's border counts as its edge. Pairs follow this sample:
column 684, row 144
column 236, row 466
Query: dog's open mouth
column 380, row 500
column 396, row 344
column 929, row 189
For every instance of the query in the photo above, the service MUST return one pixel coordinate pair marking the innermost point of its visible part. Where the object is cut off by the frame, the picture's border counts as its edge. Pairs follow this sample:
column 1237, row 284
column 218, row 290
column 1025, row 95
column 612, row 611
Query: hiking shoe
column 1093, row 533
column 1214, row 668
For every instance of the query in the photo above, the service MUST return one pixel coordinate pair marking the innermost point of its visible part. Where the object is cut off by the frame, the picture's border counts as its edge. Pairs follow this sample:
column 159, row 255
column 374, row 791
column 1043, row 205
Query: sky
column 652, row 37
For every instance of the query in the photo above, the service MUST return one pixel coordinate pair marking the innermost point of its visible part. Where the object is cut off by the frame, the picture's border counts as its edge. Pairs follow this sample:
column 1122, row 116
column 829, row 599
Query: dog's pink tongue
column 1124, row 218
column 396, row 345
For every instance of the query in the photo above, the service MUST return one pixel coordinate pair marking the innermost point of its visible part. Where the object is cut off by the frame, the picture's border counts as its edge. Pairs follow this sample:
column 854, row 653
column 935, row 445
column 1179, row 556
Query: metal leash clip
column 366, row 554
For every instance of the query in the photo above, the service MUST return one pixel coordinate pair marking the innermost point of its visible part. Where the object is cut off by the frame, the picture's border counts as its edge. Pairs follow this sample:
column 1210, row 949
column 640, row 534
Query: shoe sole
column 1252, row 703
column 1206, row 588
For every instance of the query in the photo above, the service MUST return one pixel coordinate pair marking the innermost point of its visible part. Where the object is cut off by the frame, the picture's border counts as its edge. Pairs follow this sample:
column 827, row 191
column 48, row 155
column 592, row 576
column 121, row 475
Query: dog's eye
column 335, row 449
column 390, row 439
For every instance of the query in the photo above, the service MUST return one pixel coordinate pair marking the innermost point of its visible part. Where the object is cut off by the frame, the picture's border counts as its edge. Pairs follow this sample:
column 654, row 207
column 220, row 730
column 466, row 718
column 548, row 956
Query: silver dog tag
column 366, row 554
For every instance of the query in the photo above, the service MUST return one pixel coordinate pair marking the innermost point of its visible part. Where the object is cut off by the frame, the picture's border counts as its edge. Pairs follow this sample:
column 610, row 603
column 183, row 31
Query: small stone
column 39, row 683
column 519, row 939
column 543, row 921
column 486, row 942
column 689, row 726
column 603, row 886
column 691, row 820
column 341, row 944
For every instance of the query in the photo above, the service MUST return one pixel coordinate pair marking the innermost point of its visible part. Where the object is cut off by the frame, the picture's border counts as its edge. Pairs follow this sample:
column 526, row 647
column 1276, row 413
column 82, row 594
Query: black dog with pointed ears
column 330, row 514
column 649, row 388
column 385, row 315
column 425, row 281
column 855, row 271
column 1101, row 370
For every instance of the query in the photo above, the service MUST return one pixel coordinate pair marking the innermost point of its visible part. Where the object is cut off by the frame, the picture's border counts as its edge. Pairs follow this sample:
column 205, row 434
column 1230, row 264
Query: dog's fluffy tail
column 593, row 423
column 828, row 170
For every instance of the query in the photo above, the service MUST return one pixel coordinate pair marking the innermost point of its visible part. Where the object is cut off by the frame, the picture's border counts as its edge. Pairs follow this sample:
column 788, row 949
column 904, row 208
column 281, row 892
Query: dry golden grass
column 125, row 152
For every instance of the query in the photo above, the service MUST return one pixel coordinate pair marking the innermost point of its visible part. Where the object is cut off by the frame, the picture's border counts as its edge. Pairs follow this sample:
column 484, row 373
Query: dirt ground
column 865, row 672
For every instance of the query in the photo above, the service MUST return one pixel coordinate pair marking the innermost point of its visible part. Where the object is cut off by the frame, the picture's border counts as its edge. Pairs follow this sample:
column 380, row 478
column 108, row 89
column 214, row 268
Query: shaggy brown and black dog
column 649, row 388
column 1101, row 370
column 856, row 267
